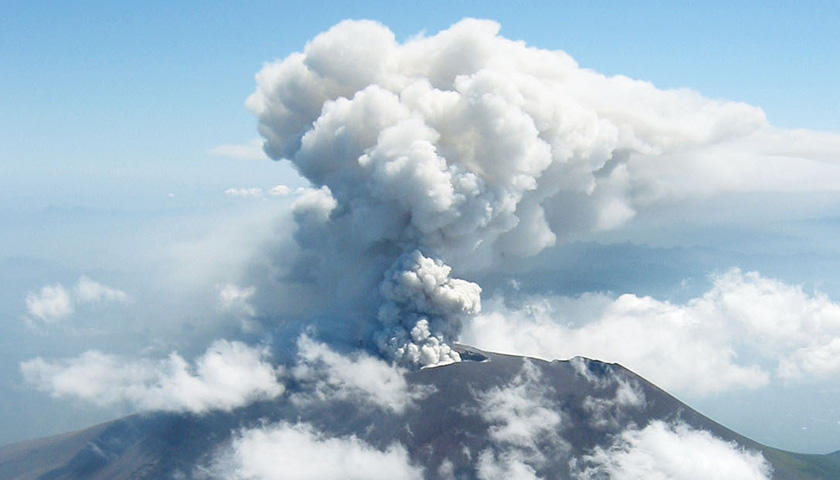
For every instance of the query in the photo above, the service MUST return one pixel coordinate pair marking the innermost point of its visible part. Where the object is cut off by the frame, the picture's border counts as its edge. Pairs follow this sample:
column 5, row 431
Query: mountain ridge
column 458, row 420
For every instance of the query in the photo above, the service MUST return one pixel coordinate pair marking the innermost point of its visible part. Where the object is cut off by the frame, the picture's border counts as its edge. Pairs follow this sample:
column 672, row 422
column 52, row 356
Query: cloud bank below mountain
column 226, row 376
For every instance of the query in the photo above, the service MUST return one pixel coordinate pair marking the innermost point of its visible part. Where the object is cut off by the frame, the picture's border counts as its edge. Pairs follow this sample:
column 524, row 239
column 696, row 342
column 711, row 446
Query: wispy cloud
column 256, row 192
column 236, row 299
column 299, row 451
column 226, row 376
column 54, row 303
column 244, row 192
column 250, row 151
column 328, row 376
column 699, row 347
column 50, row 304
column 604, row 412
column 439, row 156
column 675, row 452
column 279, row 191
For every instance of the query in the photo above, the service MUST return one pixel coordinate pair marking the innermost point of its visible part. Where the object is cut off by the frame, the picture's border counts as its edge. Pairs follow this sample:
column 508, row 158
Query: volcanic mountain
column 488, row 416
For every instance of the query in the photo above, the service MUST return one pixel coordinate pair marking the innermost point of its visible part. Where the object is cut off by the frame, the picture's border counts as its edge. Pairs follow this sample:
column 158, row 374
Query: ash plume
column 444, row 153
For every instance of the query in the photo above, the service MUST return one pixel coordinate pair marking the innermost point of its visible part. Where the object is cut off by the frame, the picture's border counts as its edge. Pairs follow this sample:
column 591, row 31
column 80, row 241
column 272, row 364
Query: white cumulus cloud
column 236, row 299
column 252, row 192
column 226, row 376
column 50, row 304
column 279, row 191
column 671, row 452
column 605, row 412
column 299, row 452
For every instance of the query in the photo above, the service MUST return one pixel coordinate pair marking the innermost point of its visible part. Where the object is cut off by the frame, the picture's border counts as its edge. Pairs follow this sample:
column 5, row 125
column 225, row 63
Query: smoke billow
column 422, row 306
column 455, row 150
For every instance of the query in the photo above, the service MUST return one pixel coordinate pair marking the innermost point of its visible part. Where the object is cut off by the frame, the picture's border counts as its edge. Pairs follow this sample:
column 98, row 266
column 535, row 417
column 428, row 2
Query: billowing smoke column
column 422, row 307
column 461, row 148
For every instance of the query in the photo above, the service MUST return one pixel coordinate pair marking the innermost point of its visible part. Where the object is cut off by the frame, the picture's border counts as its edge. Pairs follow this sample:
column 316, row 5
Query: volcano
column 488, row 416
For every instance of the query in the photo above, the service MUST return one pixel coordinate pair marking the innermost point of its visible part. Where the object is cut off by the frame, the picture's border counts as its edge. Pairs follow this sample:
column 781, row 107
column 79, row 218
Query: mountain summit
column 489, row 416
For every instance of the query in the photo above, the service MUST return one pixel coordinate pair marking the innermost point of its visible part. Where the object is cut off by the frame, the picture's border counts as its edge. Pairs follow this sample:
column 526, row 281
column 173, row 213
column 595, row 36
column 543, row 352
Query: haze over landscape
column 654, row 188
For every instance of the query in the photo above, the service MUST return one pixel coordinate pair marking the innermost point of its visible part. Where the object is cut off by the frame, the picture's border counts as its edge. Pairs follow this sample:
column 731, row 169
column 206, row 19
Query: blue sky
column 110, row 112
column 98, row 92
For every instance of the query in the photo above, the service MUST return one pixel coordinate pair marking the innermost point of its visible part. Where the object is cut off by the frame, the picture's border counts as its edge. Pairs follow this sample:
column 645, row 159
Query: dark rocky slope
column 596, row 402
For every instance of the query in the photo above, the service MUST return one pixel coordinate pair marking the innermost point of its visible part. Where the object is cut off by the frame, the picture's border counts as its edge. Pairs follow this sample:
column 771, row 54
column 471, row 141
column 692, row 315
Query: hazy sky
column 136, row 206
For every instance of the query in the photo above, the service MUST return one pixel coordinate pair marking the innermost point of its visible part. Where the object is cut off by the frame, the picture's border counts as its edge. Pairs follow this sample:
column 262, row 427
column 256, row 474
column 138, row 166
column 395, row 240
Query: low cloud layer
column 673, row 452
column 235, row 299
column 256, row 192
column 50, row 304
column 525, row 428
column 89, row 291
column 326, row 375
column 226, row 376
column 609, row 413
column 299, row 452
column 422, row 306
column 464, row 148
column 54, row 303
column 742, row 332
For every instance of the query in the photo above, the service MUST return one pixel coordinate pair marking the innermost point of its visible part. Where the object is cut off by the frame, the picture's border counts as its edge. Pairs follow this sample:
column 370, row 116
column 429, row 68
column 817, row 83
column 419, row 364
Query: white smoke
column 236, row 299
column 470, row 147
column 421, row 310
